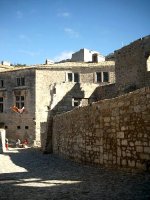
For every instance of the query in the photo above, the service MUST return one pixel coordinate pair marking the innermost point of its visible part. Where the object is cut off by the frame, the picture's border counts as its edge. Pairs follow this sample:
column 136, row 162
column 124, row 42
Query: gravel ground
column 29, row 174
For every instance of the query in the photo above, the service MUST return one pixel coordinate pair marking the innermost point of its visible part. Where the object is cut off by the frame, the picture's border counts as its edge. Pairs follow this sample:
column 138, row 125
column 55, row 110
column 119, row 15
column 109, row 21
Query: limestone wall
column 131, row 66
column 113, row 132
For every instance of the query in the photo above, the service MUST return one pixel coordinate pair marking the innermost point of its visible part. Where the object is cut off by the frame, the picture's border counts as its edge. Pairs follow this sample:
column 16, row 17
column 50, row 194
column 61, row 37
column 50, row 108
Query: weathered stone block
column 144, row 156
column 124, row 142
column 131, row 144
column 124, row 162
column 147, row 150
column 120, row 134
column 139, row 149
column 140, row 165
column 106, row 119
column 101, row 149
column 123, row 128
column 119, row 152
column 131, row 163
column 118, row 161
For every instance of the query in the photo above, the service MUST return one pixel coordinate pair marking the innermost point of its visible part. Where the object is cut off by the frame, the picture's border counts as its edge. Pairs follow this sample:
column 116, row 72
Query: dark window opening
column 76, row 77
column 20, row 81
column 105, row 77
column 1, row 83
column 26, row 127
column 1, row 105
column 6, row 127
column 98, row 77
column 73, row 77
column 95, row 58
column 70, row 77
column 18, row 127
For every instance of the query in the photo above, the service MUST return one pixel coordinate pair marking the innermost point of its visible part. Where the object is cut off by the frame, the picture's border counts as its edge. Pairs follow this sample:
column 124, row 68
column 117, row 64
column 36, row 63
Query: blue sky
column 33, row 30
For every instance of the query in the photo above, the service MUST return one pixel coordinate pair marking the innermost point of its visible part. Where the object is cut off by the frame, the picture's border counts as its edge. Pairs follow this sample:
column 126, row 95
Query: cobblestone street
column 29, row 174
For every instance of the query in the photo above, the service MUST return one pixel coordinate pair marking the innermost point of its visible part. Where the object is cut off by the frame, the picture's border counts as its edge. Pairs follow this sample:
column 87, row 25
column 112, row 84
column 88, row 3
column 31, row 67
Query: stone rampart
column 114, row 132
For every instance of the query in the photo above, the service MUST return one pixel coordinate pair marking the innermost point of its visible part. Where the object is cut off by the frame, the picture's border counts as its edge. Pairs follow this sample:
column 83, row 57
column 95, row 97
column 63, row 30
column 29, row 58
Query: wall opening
column 148, row 63
column 95, row 58
column 76, row 102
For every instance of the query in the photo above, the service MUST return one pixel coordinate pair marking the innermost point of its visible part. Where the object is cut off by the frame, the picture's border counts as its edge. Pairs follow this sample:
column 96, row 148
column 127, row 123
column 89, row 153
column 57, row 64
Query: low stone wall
column 113, row 132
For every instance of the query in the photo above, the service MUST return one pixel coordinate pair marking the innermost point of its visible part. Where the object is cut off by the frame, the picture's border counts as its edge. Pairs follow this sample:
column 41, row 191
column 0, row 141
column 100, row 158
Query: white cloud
column 66, row 14
column 71, row 33
column 19, row 14
column 63, row 56
column 63, row 14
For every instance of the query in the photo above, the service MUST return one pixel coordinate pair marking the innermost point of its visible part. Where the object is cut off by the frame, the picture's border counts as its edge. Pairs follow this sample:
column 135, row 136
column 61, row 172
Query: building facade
column 45, row 91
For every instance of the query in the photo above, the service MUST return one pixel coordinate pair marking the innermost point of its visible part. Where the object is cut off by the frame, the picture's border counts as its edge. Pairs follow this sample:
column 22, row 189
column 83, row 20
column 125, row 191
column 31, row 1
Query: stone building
column 132, row 66
column 46, row 90
column 132, row 69
column 85, row 55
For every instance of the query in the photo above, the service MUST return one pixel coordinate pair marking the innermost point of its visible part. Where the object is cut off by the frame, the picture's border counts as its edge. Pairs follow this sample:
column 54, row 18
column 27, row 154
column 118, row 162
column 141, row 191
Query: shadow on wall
column 71, row 99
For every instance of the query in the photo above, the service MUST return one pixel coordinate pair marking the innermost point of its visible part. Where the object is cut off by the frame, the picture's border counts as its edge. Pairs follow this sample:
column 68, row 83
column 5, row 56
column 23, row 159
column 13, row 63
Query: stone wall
column 131, row 66
column 106, row 92
column 113, row 132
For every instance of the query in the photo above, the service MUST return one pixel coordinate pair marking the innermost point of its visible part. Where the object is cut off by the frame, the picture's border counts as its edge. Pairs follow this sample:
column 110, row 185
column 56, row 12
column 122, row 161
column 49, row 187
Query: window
column 95, row 58
column 98, row 77
column 105, row 77
column 18, row 127
column 20, row 101
column 73, row 77
column 1, row 104
column 76, row 77
column 70, row 77
column 20, row 81
column 102, row 77
column 26, row 127
column 1, row 83
column 76, row 102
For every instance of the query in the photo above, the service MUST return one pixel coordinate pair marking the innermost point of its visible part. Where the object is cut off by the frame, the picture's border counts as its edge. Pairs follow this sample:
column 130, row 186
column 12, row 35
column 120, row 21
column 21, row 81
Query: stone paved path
column 29, row 174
